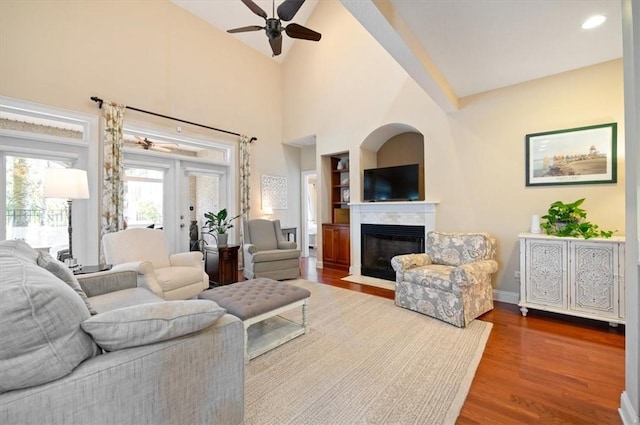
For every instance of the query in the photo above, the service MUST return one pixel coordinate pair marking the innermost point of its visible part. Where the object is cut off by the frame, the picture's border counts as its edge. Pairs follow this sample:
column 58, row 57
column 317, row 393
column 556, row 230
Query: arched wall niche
column 393, row 144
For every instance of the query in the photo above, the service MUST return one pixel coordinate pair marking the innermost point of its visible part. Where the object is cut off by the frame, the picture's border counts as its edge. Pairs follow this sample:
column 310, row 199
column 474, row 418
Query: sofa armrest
column 287, row 245
column 186, row 259
column 402, row 263
column 473, row 273
column 250, row 248
column 94, row 284
column 146, row 275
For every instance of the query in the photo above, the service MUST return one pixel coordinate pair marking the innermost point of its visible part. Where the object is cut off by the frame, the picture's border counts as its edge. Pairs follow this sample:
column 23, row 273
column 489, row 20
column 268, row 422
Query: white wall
column 151, row 55
column 347, row 86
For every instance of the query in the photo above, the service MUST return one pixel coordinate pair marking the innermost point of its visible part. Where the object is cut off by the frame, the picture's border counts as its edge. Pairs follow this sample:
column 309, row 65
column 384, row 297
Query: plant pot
column 221, row 239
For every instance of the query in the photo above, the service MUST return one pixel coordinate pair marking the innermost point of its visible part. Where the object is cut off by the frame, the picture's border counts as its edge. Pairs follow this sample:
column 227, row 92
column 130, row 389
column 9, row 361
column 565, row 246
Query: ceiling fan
column 148, row 144
column 273, row 26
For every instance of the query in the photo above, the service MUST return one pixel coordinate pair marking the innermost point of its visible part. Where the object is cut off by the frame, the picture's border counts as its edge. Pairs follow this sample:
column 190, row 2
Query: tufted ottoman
column 258, row 303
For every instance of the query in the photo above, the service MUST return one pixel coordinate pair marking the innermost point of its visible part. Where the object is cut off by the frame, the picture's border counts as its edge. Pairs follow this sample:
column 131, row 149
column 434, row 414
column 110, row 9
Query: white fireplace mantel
column 414, row 213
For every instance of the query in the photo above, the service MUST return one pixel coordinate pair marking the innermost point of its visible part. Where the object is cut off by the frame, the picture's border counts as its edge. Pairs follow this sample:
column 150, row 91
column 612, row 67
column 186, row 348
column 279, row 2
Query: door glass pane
column 204, row 196
column 39, row 221
column 143, row 195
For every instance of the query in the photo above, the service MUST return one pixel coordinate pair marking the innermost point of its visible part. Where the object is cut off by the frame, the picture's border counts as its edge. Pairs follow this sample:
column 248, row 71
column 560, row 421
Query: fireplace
column 381, row 242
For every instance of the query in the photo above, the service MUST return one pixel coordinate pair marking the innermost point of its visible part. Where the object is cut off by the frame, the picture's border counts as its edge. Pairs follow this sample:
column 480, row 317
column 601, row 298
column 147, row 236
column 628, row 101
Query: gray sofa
column 138, row 360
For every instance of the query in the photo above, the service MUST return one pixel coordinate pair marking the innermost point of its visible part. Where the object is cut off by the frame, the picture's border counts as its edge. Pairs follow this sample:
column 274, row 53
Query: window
column 143, row 189
column 30, row 216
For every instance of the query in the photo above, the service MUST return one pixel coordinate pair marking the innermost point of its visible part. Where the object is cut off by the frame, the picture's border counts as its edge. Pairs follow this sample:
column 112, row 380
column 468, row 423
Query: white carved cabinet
column 579, row 277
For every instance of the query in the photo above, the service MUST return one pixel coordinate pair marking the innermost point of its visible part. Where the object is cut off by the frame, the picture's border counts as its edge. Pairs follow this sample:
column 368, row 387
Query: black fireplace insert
column 381, row 242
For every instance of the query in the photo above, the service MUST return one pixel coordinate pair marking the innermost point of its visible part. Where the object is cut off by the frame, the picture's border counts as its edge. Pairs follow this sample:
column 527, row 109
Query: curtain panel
column 113, row 173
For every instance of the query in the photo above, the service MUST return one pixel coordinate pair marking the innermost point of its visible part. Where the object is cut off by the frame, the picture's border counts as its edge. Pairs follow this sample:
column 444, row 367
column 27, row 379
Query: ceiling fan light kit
column 273, row 26
column 161, row 147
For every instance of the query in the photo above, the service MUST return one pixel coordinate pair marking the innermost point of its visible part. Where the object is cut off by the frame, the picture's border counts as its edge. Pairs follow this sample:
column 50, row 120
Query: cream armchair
column 451, row 281
column 267, row 254
column 146, row 251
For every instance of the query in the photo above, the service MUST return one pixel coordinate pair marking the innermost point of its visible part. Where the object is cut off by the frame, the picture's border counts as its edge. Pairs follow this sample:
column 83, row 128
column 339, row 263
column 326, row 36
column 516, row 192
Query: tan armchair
column 452, row 280
column 267, row 254
column 146, row 251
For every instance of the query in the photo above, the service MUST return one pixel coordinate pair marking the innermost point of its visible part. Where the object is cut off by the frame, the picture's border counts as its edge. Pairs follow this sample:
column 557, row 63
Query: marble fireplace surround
column 415, row 213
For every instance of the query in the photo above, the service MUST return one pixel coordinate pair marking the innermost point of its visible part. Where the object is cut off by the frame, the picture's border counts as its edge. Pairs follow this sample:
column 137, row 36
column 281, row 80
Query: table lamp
column 69, row 183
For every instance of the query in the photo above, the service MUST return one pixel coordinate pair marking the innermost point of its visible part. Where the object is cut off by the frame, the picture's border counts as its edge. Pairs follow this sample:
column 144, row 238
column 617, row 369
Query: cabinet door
column 546, row 273
column 344, row 246
column 594, row 274
column 329, row 242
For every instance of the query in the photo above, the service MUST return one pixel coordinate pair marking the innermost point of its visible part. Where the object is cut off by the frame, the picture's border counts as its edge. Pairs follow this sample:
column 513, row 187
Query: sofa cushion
column 17, row 248
column 434, row 276
column 40, row 316
column 275, row 255
column 62, row 272
column 148, row 323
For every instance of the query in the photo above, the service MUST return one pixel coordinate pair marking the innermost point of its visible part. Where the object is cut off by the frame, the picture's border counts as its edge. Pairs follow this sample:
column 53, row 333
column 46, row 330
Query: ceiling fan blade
column 245, row 29
column 276, row 45
column 288, row 9
column 160, row 148
column 298, row 31
column 255, row 8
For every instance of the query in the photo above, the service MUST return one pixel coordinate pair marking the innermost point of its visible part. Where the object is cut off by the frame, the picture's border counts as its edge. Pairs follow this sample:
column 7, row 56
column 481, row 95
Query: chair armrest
column 401, row 263
column 287, row 245
column 473, row 273
column 94, row 284
column 146, row 276
column 250, row 248
column 186, row 259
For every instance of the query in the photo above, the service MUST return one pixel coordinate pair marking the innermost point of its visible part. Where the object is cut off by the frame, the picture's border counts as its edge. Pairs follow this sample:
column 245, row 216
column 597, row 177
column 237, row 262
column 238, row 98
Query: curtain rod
column 101, row 101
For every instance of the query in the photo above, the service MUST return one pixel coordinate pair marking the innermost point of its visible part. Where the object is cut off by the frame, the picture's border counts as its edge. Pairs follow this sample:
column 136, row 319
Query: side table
column 289, row 231
column 221, row 264
column 92, row 269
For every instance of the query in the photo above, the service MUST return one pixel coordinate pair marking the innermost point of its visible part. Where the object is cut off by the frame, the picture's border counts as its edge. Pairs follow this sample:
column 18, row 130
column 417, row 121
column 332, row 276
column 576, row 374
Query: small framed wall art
column 583, row 155
column 274, row 192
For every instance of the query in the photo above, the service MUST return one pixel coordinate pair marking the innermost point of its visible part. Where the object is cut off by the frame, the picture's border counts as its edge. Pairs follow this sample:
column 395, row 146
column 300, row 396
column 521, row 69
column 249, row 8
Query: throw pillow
column 149, row 323
column 63, row 273
column 40, row 335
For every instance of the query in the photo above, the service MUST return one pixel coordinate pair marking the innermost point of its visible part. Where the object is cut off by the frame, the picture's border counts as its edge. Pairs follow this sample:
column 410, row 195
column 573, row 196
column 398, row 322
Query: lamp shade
column 69, row 183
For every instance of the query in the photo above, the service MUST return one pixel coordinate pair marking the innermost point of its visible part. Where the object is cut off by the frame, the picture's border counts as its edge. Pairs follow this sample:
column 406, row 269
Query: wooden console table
column 221, row 264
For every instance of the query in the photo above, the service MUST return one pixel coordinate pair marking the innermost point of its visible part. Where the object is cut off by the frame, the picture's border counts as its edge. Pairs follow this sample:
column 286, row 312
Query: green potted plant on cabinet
column 569, row 219
column 217, row 225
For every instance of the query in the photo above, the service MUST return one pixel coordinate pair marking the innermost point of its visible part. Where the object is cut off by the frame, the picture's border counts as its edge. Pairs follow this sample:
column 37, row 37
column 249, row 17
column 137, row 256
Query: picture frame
column 274, row 192
column 583, row 155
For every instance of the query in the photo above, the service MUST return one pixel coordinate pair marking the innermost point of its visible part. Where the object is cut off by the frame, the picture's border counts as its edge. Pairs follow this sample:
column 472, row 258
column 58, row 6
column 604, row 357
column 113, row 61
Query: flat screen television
column 400, row 183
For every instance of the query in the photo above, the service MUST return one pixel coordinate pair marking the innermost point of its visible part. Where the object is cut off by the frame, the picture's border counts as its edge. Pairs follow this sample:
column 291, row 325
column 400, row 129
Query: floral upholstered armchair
column 452, row 280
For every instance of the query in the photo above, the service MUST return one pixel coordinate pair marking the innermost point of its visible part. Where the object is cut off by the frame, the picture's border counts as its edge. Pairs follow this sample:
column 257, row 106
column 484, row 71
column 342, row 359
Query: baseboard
column 506, row 296
column 628, row 416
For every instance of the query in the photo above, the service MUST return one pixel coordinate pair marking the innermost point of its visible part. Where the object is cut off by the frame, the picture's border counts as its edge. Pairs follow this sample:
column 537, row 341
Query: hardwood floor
column 540, row 369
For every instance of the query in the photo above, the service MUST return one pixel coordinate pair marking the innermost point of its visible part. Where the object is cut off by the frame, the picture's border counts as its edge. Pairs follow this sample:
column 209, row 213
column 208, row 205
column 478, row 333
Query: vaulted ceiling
column 457, row 48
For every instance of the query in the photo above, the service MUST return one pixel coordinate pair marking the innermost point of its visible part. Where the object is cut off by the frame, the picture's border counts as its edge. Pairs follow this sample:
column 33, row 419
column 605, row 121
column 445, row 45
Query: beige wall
column 155, row 56
column 347, row 86
column 340, row 90
column 403, row 149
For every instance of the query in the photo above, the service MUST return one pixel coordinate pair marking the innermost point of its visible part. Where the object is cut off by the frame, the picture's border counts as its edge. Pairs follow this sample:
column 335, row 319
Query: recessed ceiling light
column 593, row 22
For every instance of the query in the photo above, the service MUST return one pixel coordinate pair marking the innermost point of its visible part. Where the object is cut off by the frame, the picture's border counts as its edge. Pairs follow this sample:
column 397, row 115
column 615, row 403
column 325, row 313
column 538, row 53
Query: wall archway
column 378, row 137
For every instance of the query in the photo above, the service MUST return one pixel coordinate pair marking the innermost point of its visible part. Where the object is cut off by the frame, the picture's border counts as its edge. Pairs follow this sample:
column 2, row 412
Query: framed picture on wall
column 583, row 155
column 274, row 192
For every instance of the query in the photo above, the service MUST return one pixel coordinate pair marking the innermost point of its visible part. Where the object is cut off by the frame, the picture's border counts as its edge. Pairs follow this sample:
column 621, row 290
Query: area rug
column 364, row 361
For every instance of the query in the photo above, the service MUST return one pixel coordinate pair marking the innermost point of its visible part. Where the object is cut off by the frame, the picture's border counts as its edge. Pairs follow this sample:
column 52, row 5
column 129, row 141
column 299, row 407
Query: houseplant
column 569, row 219
column 217, row 225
